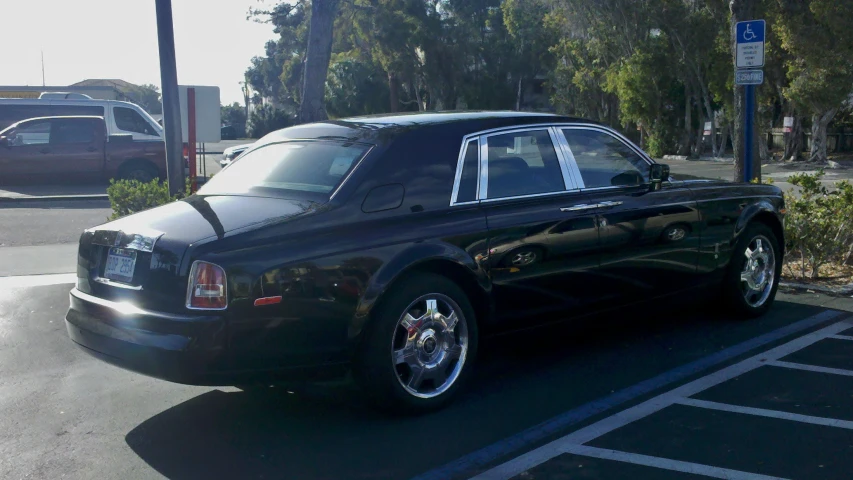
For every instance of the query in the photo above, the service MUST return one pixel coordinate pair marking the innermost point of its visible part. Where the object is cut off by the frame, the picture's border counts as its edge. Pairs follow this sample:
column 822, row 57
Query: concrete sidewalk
column 38, row 259
column 18, row 193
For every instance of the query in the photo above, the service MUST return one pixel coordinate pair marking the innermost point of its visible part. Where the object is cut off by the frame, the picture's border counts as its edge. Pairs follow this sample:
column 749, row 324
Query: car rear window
column 315, row 167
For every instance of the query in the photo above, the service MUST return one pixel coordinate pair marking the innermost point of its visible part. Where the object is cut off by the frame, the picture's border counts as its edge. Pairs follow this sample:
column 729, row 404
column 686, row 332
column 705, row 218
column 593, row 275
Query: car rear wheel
column 753, row 275
column 419, row 349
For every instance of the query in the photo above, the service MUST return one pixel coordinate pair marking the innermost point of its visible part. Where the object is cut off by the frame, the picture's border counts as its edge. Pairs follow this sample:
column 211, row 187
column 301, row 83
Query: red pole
column 191, row 137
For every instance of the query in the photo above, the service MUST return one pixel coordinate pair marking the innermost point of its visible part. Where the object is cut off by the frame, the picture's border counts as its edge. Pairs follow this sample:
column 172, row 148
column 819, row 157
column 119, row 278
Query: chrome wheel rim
column 523, row 258
column 429, row 345
column 759, row 271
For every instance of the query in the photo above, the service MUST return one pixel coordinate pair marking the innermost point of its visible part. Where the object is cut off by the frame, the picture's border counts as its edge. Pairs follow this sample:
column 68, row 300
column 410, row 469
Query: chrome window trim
column 570, row 158
column 568, row 179
column 460, row 165
column 483, row 183
column 482, row 187
column 532, row 195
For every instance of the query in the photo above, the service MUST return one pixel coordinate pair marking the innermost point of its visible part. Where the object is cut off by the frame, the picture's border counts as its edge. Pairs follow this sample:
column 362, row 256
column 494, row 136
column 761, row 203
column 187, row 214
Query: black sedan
column 388, row 246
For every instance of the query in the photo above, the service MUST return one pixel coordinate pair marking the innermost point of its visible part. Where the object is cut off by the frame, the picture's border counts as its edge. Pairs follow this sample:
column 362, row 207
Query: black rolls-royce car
column 387, row 246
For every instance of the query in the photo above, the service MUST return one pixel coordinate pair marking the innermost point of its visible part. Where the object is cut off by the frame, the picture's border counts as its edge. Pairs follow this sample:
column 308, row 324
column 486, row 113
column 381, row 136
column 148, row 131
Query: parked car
column 370, row 244
column 75, row 149
column 231, row 153
column 228, row 132
column 121, row 117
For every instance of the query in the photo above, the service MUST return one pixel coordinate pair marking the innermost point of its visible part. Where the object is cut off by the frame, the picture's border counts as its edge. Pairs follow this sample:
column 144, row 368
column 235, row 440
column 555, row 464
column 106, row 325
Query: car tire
column 410, row 360
column 752, row 277
column 139, row 172
column 523, row 257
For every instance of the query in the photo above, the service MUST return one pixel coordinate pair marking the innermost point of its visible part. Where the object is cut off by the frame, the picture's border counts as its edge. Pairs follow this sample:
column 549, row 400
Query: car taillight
column 207, row 287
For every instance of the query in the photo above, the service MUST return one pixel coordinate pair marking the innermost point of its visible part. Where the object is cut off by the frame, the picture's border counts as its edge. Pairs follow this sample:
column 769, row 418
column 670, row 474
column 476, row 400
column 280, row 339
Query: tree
column 819, row 36
column 235, row 115
column 266, row 119
column 148, row 97
column 312, row 107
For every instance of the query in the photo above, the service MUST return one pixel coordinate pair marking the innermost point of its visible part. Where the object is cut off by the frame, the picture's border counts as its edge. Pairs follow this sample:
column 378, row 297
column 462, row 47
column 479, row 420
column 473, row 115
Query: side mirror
column 659, row 173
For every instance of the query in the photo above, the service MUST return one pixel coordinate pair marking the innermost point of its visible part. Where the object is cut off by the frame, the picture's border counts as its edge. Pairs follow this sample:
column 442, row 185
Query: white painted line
column 841, row 337
column 23, row 281
column 811, row 368
column 666, row 463
column 557, row 447
column 761, row 412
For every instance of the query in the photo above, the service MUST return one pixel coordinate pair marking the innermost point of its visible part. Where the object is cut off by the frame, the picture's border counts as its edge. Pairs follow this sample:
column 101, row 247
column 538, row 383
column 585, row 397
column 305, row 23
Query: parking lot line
column 558, row 447
column 666, row 463
column 763, row 412
column 515, row 443
column 841, row 337
column 811, row 368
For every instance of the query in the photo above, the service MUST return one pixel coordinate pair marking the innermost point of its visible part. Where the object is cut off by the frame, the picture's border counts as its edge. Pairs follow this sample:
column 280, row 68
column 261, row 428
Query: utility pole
column 171, row 101
column 743, row 10
column 42, row 69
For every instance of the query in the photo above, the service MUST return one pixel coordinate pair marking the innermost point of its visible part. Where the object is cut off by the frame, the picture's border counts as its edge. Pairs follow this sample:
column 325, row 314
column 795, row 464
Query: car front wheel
column 420, row 347
column 753, row 275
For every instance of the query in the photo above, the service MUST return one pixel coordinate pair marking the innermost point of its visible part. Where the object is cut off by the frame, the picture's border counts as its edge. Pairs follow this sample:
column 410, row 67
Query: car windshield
column 315, row 167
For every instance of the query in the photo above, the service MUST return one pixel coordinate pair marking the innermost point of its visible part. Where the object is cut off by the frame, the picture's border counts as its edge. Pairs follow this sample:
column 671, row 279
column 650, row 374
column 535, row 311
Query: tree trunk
column 317, row 56
column 687, row 137
column 794, row 140
column 518, row 95
column 820, row 123
column 394, row 89
column 724, row 138
column 763, row 150
column 417, row 92
column 742, row 10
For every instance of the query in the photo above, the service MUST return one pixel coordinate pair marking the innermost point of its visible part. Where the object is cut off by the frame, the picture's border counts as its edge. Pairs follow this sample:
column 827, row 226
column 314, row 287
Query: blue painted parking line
column 487, row 455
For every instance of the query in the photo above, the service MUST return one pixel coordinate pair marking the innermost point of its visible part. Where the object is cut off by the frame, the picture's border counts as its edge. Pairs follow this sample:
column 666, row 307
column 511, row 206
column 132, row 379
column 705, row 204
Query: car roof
column 94, row 117
column 380, row 128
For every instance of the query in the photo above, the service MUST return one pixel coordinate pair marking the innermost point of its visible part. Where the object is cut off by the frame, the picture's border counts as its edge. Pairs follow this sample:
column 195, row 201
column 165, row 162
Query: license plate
column 120, row 264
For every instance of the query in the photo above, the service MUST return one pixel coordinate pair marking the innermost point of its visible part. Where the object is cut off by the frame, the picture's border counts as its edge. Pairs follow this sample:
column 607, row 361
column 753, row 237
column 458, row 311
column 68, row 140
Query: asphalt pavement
column 64, row 414
column 686, row 392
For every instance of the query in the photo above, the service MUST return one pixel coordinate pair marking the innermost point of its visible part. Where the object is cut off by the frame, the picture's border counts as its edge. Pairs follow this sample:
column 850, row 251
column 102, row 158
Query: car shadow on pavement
column 522, row 380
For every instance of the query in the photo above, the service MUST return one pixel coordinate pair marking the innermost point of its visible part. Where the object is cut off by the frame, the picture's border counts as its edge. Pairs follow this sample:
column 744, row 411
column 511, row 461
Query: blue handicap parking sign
column 750, row 32
column 750, row 44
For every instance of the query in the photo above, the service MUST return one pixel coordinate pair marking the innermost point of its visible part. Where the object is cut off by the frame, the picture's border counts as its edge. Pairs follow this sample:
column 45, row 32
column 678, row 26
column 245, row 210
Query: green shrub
column 266, row 119
column 130, row 196
column 819, row 223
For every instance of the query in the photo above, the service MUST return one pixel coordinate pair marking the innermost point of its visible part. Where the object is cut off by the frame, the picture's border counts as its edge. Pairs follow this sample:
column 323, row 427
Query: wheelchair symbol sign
column 750, row 44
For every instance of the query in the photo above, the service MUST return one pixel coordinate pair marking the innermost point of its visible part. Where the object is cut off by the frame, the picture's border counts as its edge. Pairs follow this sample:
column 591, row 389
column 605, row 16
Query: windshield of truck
column 306, row 166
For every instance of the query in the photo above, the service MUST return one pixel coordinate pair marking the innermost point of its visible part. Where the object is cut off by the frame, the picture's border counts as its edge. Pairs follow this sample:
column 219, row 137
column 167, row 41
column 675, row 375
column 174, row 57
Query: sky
column 84, row 39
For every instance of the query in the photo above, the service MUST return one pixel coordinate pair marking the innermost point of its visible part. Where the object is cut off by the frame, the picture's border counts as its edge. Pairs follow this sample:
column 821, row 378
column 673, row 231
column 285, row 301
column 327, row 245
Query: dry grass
column 830, row 275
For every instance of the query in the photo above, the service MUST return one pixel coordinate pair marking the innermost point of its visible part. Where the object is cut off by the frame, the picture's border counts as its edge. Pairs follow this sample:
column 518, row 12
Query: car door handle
column 578, row 208
column 609, row 204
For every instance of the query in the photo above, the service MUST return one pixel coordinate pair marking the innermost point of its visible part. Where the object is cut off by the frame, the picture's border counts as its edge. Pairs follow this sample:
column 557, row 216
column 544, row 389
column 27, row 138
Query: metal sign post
column 171, row 105
column 749, row 61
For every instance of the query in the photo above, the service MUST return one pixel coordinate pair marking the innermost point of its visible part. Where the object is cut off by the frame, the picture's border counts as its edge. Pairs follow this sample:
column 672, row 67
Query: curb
column 843, row 291
column 51, row 198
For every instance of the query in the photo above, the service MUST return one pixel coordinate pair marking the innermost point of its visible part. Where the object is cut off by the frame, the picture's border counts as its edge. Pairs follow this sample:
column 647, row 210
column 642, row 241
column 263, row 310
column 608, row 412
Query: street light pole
column 171, row 102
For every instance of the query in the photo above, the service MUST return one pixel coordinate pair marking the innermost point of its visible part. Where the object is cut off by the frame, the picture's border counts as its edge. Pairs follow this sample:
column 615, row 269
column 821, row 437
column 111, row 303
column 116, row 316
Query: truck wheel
column 140, row 172
column 419, row 349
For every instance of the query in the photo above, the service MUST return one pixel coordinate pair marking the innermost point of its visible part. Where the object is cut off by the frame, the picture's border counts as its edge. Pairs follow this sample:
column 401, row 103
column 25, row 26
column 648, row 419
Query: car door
column 649, row 238
column 22, row 156
column 543, row 238
column 76, row 149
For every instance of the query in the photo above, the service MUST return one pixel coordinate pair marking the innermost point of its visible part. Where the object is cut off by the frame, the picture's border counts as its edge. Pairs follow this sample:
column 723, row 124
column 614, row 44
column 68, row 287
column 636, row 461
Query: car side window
column 130, row 120
column 72, row 131
column 32, row 133
column 604, row 160
column 522, row 163
column 470, row 170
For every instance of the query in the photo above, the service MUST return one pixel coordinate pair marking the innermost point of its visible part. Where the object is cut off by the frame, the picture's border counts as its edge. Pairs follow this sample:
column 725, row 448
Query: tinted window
column 10, row 114
column 604, row 160
column 63, row 110
column 130, row 120
column 72, row 131
column 31, row 133
column 317, row 167
column 523, row 163
column 470, row 170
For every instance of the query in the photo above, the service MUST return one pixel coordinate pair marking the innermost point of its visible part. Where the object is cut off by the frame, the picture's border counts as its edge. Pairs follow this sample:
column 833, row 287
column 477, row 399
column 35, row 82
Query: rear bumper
column 188, row 349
